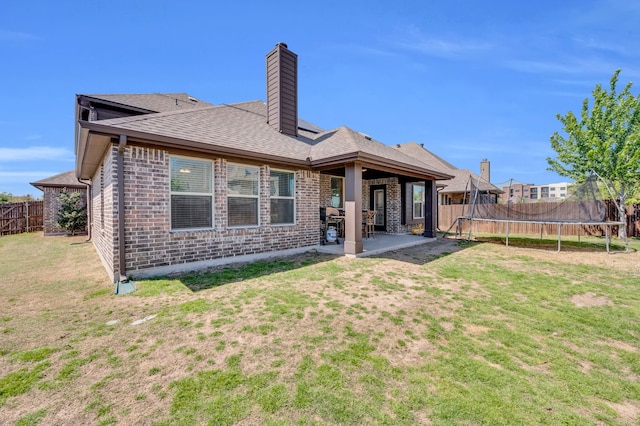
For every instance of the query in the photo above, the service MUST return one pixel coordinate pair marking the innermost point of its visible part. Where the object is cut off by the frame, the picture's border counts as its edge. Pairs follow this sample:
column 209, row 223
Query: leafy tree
column 72, row 214
column 605, row 139
column 7, row 197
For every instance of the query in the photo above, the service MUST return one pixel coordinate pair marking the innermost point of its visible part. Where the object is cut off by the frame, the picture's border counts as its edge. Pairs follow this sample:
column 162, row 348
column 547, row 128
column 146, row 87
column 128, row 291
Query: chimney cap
column 283, row 44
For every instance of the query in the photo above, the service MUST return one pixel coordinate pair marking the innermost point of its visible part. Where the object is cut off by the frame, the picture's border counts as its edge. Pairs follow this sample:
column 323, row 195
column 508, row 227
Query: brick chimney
column 485, row 170
column 282, row 90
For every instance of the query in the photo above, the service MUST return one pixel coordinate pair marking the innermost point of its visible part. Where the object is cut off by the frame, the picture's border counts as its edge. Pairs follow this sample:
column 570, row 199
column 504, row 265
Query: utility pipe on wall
column 121, row 248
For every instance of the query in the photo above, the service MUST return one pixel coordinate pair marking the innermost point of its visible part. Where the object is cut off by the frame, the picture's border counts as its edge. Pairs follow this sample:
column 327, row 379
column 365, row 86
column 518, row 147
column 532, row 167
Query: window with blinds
column 191, row 193
column 282, row 197
column 418, row 201
column 243, row 183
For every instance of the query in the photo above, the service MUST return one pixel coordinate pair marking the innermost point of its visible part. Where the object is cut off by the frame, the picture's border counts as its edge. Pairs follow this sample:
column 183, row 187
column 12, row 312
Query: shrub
column 72, row 214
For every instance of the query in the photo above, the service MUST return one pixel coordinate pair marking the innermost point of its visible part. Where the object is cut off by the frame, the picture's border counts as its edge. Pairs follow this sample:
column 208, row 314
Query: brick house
column 52, row 187
column 176, row 183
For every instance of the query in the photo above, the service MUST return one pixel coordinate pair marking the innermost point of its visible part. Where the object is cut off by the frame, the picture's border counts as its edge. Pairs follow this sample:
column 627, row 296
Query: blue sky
column 468, row 79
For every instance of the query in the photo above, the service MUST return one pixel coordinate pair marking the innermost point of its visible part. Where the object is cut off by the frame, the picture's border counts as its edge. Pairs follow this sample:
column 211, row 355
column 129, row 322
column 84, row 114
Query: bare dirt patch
column 590, row 299
column 628, row 411
column 477, row 330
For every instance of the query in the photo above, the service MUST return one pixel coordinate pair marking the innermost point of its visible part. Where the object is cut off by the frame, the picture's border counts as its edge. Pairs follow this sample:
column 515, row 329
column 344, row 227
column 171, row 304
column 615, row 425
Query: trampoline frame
column 607, row 226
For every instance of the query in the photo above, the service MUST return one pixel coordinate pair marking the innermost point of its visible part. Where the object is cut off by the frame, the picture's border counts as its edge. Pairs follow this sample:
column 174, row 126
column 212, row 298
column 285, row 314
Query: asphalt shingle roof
column 343, row 140
column 156, row 102
column 66, row 179
column 461, row 177
column 232, row 127
column 236, row 126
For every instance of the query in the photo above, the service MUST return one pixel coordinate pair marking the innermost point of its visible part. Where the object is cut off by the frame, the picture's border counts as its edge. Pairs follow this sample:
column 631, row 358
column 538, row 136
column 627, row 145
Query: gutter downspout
column 121, row 147
column 89, row 207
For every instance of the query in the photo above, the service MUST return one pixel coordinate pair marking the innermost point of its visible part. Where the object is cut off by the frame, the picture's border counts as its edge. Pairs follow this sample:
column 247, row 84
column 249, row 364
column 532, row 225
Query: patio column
column 430, row 209
column 353, row 209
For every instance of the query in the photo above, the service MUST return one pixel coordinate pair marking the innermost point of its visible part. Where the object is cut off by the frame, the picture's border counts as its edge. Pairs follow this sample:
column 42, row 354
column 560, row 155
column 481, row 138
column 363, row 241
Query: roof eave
column 99, row 132
column 117, row 104
column 380, row 163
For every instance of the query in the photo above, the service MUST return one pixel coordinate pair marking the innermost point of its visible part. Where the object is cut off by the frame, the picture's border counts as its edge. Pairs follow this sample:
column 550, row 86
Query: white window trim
column 279, row 197
column 256, row 197
column 343, row 180
column 201, row 194
column 413, row 202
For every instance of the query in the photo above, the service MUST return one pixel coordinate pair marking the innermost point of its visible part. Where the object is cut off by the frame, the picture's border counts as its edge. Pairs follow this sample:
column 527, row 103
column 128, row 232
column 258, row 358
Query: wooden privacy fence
column 16, row 218
column 449, row 213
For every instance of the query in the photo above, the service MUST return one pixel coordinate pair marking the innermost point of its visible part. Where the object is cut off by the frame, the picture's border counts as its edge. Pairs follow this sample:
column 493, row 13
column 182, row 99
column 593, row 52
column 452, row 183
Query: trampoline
column 584, row 208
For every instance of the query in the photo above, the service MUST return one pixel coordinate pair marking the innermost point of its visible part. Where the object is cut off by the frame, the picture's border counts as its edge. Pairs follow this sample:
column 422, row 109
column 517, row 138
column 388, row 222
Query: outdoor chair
column 369, row 224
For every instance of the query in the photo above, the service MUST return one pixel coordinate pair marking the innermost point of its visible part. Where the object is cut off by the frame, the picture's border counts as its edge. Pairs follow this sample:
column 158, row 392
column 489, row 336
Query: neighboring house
column 177, row 183
column 52, row 187
column 464, row 182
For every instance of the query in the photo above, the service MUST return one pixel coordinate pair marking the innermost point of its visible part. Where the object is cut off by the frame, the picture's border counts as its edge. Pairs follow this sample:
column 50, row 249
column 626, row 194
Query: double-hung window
column 191, row 193
column 282, row 196
column 418, row 201
column 337, row 192
column 243, row 183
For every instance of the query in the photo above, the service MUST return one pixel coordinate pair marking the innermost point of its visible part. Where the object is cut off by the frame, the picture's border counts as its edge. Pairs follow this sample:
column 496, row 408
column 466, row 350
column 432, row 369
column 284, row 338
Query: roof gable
column 343, row 142
column 420, row 152
column 461, row 177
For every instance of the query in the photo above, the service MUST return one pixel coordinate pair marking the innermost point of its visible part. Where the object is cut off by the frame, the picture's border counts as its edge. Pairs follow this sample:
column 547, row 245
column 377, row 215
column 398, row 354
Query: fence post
column 26, row 209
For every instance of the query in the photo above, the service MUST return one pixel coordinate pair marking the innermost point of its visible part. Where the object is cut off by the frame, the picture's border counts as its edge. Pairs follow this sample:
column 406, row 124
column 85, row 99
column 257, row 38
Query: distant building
column 518, row 192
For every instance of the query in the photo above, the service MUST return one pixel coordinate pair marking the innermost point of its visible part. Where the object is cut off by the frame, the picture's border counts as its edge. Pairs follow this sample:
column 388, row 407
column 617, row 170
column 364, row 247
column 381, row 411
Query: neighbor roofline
column 41, row 186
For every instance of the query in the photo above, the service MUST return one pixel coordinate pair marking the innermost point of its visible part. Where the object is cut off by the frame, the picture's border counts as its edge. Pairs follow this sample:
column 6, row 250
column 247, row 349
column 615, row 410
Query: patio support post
column 431, row 209
column 353, row 209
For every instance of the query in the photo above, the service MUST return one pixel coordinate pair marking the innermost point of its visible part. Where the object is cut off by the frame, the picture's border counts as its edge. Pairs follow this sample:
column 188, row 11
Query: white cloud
column 364, row 50
column 443, row 47
column 35, row 153
column 451, row 46
column 24, row 176
column 17, row 36
column 569, row 66
column 605, row 46
column 543, row 67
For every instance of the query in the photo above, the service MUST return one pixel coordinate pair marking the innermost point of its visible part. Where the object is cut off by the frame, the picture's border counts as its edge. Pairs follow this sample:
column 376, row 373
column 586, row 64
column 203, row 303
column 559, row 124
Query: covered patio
column 402, row 197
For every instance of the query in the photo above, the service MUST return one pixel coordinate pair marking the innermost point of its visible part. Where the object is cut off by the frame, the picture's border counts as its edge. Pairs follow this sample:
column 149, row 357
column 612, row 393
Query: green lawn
column 470, row 334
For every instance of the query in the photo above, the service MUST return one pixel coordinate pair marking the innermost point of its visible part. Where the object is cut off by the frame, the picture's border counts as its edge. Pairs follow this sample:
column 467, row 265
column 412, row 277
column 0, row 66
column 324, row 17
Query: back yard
column 445, row 333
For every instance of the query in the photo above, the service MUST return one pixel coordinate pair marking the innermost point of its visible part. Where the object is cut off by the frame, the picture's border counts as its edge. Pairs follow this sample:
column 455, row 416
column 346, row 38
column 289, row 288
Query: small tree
column 72, row 214
column 606, row 139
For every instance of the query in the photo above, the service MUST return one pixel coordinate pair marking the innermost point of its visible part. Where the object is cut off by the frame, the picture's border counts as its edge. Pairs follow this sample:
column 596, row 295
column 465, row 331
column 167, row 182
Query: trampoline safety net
column 583, row 205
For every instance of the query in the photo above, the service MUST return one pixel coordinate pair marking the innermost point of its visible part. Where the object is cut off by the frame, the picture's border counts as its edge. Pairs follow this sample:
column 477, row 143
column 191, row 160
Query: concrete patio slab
column 380, row 244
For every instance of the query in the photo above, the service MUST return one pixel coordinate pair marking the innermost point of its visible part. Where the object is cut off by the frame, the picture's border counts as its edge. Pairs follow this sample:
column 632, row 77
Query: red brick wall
column 104, row 219
column 150, row 242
